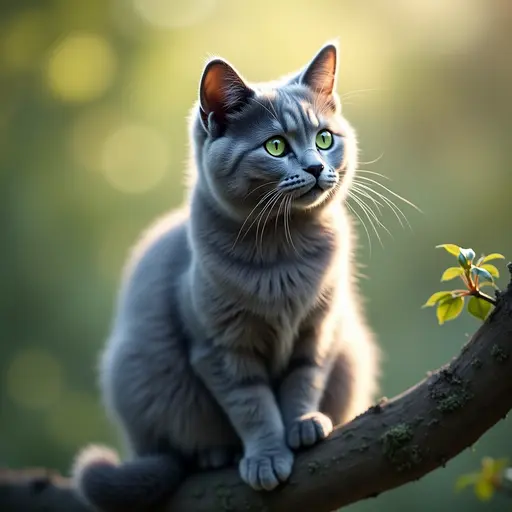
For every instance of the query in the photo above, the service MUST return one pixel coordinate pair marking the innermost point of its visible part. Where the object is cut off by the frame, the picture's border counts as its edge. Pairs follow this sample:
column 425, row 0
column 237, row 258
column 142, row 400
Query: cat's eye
column 324, row 139
column 276, row 146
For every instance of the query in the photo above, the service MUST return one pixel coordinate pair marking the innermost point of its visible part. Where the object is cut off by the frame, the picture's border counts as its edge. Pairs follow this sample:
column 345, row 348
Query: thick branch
column 391, row 444
column 36, row 490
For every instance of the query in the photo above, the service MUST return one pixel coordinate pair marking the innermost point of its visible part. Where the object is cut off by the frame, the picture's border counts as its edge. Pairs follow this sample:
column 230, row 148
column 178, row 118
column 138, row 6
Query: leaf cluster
column 475, row 274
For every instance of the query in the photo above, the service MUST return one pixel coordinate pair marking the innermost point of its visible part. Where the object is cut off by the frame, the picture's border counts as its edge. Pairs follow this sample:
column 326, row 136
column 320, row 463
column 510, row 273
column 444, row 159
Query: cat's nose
column 315, row 169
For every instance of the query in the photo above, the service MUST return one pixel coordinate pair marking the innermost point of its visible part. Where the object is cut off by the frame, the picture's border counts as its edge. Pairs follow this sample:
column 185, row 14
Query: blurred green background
column 94, row 100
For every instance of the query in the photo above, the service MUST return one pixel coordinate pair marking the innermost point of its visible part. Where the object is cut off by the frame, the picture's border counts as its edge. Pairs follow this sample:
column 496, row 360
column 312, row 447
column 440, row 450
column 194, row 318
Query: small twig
column 483, row 296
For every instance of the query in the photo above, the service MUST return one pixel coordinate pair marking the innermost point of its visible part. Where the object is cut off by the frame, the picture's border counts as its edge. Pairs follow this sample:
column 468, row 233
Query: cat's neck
column 260, row 238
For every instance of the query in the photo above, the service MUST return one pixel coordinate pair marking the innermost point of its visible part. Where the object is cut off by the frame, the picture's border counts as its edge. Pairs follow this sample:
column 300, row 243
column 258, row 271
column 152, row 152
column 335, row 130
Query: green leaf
column 451, row 248
column 437, row 297
column 465, row 257
column 452, row 273
column 482, row 274
column 493, row 256
column 479, row 307
column 484, row 490
column 449, row 309
column 493, row 468
column 466, row 480
column 491, row 269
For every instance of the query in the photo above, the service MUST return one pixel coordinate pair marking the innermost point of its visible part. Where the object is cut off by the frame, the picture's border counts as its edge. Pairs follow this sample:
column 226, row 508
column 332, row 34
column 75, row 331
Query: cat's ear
column 321, row 73
column 222, row 92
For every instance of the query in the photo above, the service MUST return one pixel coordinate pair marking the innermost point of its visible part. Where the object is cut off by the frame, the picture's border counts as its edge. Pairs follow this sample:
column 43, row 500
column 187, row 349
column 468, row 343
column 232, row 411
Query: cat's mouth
column 314, row 190
column 310, row 195
column 307, row 194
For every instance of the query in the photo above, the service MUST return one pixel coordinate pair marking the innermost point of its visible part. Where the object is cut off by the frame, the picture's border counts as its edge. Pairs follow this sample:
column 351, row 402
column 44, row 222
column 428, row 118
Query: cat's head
column 281, row 143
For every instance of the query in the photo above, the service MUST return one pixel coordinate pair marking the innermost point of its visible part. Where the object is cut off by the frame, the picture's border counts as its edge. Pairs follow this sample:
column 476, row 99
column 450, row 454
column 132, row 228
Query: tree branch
column 389, row 445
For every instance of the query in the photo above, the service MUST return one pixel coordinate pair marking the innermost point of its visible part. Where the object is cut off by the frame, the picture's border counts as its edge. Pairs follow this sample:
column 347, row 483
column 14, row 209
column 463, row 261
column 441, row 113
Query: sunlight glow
column 439, row 25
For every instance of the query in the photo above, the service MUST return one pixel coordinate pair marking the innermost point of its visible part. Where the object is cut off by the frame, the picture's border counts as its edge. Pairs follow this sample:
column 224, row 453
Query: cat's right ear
column 222, row 92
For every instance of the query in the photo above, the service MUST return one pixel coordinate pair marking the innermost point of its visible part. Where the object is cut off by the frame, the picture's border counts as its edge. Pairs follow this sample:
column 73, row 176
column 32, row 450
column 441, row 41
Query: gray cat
column 238, row 333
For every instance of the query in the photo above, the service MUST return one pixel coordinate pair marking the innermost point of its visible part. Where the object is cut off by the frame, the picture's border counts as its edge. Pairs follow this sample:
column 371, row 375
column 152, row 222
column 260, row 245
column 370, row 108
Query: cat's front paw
column 308, row 430
column 267, row 469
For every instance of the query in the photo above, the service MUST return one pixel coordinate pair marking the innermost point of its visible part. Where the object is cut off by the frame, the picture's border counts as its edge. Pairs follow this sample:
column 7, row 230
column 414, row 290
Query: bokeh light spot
column 81, row 67
column 34, row 379
column 135, row 158
column 166, row 14
column 89, row 133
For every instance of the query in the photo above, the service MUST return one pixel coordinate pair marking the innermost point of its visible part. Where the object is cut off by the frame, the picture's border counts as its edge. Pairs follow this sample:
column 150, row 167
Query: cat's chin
column 312, row 198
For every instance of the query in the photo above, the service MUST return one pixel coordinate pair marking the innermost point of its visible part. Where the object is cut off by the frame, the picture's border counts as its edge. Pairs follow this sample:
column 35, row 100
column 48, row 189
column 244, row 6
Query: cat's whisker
column 281, row 203
column 375, row 217
column 287, row 217
column 266, row 196
column 351, row 208
column 269, row 183
column 261, row 105
column 285, row 223
column 393, row 207
column 365, row 194
column 368, row 208
column 271, row 203
column 370, row 215
column 276, row 201
column 373, row 162
column 389, row 202
column 356, row 92
column 372, row 172
column 377, row 203
column 388, row 190
column 272, row 107
column 262, row 211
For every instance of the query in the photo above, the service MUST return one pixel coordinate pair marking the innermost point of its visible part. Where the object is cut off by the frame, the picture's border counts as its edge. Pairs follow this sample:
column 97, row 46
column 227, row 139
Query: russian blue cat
column 239, row 334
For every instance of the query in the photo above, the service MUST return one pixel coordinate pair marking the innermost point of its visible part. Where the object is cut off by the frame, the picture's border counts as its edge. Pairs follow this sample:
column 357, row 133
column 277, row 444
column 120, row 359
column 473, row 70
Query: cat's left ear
column 222, row 92
column 321, row 73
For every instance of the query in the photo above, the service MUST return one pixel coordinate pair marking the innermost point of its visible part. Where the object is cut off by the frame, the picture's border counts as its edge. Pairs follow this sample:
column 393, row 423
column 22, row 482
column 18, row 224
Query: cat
column 239, row 335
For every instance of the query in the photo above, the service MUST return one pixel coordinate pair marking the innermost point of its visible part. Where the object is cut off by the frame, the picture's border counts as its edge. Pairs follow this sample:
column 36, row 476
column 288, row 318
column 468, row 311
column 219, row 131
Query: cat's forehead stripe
column 296, row 115
column 311, row 116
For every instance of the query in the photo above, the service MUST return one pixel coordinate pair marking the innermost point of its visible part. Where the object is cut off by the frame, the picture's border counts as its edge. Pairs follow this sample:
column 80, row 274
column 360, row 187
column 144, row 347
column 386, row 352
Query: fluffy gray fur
column 238, row 333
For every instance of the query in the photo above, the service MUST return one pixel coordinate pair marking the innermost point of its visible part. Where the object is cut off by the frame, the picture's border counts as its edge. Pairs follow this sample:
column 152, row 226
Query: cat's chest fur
column 259, row 291
column 277, row 277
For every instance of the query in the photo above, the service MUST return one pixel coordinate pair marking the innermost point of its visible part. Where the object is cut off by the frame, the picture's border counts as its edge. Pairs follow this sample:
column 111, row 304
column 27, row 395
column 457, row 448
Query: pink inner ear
column 321, row 73
column 222, row 89
column 213, row 91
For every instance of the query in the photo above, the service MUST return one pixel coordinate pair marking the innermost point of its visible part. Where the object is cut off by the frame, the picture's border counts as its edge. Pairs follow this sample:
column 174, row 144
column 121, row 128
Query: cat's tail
column 138, row 485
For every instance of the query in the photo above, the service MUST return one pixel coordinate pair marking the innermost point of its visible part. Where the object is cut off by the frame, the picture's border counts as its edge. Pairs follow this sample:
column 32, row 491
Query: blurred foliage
column 93, row 145
column 494, row 475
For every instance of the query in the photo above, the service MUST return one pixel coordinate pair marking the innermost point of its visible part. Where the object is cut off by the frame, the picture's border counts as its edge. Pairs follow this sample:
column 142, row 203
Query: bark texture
column 393, row 443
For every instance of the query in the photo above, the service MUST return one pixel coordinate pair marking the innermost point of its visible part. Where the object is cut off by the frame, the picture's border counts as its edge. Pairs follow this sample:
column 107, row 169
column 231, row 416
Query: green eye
column 276, row 146
column 324, row 139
